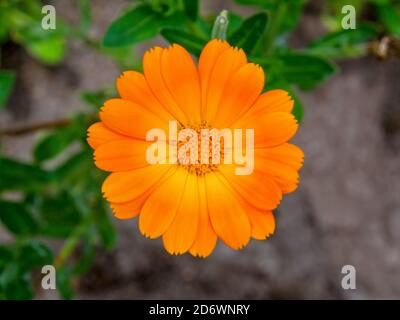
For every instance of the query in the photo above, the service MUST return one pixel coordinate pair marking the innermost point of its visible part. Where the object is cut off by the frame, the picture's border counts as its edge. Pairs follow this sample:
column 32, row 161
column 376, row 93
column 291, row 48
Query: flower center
column 201, row 152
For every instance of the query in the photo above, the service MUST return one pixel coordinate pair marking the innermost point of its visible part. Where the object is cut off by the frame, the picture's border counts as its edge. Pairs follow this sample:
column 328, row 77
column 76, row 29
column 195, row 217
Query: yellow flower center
column 205, row 145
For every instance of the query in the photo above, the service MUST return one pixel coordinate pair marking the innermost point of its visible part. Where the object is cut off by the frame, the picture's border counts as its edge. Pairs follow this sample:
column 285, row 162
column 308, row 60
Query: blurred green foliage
column 57, row 195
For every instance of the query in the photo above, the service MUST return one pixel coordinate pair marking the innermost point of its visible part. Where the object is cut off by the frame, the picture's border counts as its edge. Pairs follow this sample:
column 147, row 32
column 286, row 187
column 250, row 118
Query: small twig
column 35, row 127
column 385, row 48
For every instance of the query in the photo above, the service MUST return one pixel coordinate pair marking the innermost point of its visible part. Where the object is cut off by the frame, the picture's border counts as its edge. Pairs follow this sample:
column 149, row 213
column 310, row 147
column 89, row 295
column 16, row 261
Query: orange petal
column 181, row 234
column 286, row 153
column 259, row 189
column 132, row 85
column 287, row 185
column 274, row 168
column 98, row 134
column 271, row 129
column 208, row 58
column 122, row 155
column 182, row 80
column 227, row 64
column 155, row 80
column 227, row 216
column 130, row 119
column 241, row 91
column 160, row 208
column 262, row 223
column 281, row 164
column 124, row 186
column 270, row 101
column 131, row 209
column 206, row 237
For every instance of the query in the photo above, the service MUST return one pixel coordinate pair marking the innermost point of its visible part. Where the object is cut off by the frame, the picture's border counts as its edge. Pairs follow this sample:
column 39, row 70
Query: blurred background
column 345, row 212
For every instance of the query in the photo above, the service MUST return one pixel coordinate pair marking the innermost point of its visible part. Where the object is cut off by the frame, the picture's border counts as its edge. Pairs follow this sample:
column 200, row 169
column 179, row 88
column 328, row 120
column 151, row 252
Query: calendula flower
column 191, row 205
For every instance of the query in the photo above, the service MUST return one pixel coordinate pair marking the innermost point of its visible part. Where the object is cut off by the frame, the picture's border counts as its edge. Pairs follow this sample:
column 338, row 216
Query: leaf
column 74, row 168
column 138, row 24
column 56, row 222
column 249, row 33
column 259, row 3
column 390, row 17
column 17, row 218
column 104, row 226
column 34, row 254
column 288, row 12
column 191, row 8
column 7, row 79
column 298, row 109
column 348, row 43
column 6, row 255
column 63, row 281
column 54, row 143
column 3, row 32
column 14, row 176
column 192, row 43
column 50, row 51
column 86, row 15
column 87, row 255
column 235, row 21
column 96, row 98
column 302, row 69
column 48, row 46
column 18, row 286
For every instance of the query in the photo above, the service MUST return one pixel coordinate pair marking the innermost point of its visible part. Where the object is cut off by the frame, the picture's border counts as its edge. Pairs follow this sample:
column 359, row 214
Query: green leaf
column 298, row 109
column 17, row 218
column 288, row 12
column 191, row 8
column 302, row 69
column 249, row 33
column 344, row 43
column 48, row 46
column 34, row 254
column 86, row 15
column 3, row 32
column 260, row 3
column 73, row 169
column 50, row 51
column 6, row 255
column 18, row 286
column 138, row 24
column 87, row 255
column 192, row 43
column 63, row 280
column 7, row 79
column 235, row 21
column 105, row 228
column 54, row 143
column 16, row 175
column 56, row 222
column 96, row 98
column 390, row 17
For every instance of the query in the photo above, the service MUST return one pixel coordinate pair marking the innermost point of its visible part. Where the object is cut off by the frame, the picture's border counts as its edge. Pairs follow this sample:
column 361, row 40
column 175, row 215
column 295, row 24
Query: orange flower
column 191, row 205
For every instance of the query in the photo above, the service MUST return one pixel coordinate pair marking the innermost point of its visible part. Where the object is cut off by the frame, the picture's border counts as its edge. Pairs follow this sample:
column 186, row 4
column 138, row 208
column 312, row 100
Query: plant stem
column 35, row 127
column 220, row 26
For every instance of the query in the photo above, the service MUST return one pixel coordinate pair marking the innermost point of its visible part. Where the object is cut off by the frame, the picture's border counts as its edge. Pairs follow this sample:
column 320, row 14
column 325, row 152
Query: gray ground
column 346, row 211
